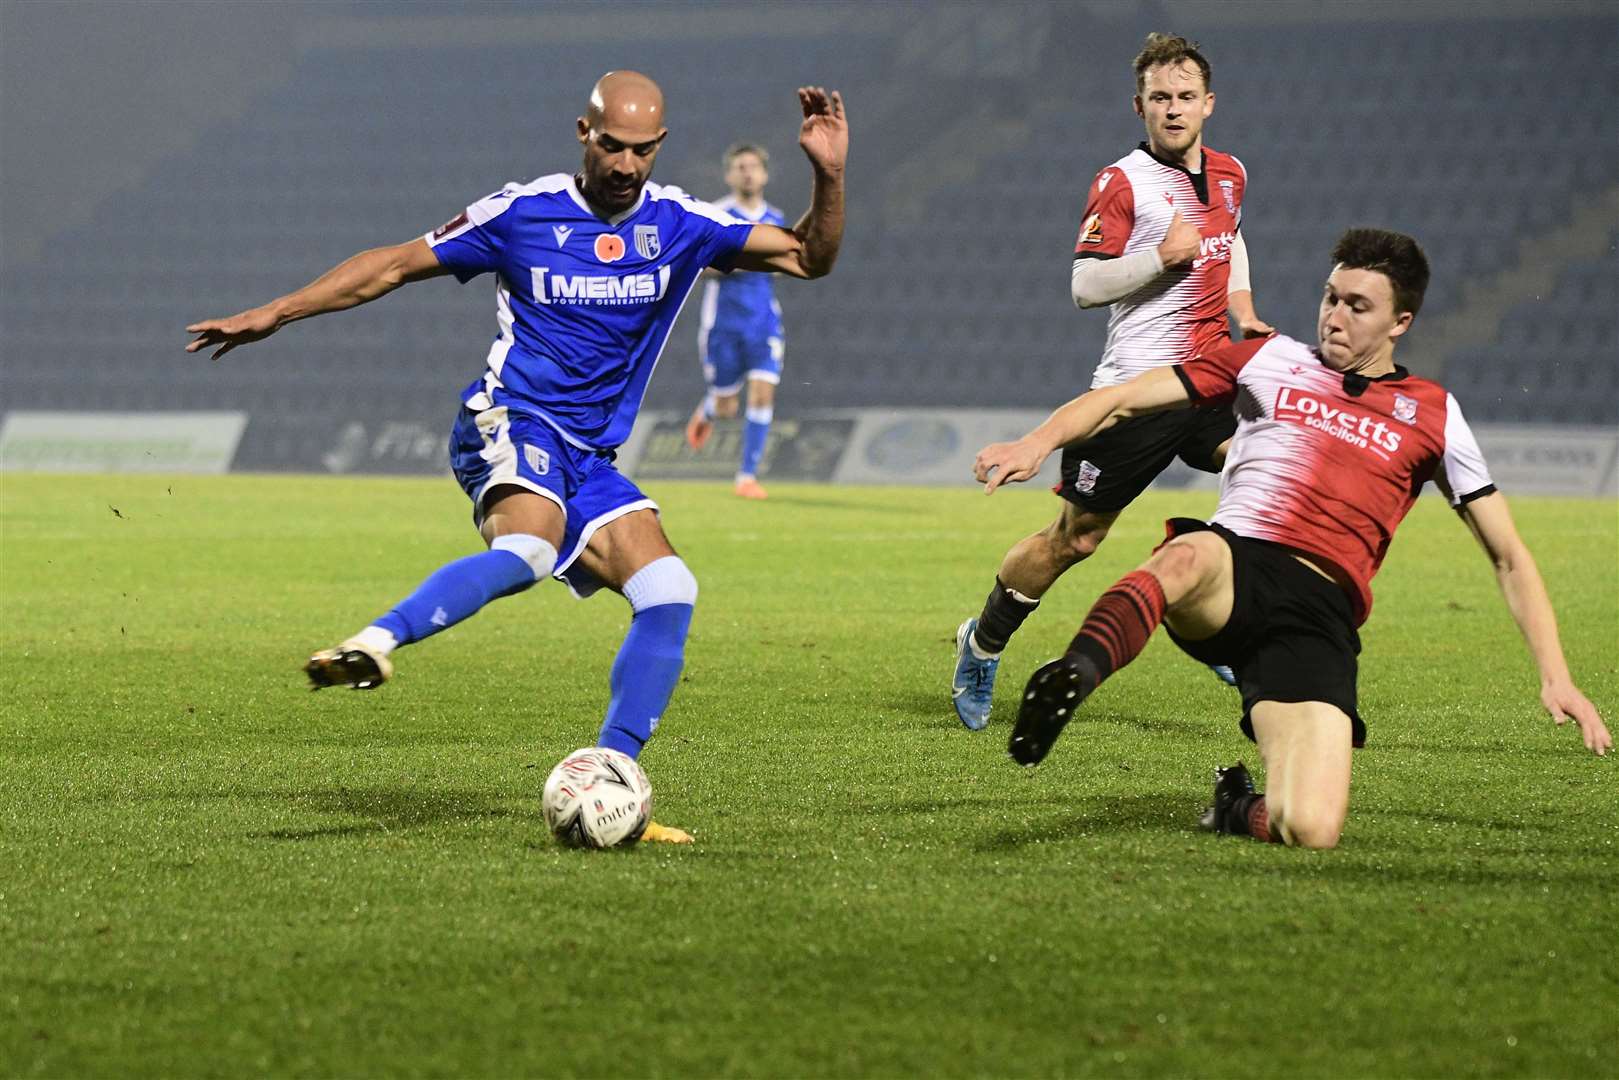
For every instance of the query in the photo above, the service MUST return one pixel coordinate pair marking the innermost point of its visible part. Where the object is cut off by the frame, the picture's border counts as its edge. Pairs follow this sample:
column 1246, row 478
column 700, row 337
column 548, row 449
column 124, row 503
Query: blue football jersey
column 743, row 303
column 584, row 304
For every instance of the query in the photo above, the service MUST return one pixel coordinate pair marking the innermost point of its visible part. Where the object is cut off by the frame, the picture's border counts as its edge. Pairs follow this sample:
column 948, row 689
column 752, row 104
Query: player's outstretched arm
column 1525, row 594
column 1082, row 418
column 353, row 281
column 810, row 248
column 1240, row 294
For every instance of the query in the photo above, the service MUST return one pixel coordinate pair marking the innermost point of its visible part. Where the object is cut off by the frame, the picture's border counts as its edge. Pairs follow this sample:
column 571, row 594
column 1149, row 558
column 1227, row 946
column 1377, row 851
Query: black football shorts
column 1291, row 635
column 1105, row 474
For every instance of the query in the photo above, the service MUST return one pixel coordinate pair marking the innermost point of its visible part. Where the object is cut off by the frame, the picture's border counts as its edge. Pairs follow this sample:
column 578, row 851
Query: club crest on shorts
column 1405, row 408
column 647, row 244
column 1085, row 481
column 1228, row 190
column 539, row 462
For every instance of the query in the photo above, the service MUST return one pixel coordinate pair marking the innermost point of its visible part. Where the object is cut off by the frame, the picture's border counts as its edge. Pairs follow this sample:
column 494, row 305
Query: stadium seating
column 948, row 293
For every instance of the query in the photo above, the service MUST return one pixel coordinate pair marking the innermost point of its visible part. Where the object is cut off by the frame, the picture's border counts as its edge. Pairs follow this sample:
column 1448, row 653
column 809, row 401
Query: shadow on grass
column 1572, row 748
column 1431, row 867
column 1200, row 728
column 949, row 804
column 938, row 713
column 1429, row 817
column 785, row 497
column 388, row 810
column 933, row 708
column 1157, row 811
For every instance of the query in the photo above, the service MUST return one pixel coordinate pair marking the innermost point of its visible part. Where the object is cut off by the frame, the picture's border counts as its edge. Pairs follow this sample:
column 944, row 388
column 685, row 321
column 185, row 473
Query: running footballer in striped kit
column 1161, row 242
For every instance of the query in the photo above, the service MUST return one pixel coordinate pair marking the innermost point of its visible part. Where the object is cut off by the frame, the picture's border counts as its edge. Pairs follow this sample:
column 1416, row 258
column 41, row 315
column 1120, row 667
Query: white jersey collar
column 584, row 204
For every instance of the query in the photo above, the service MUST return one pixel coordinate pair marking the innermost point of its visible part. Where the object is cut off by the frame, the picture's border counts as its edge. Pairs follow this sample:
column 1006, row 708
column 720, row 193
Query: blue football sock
column 644, row 676
column 648, row 665
column 455, row 591
column 754, row 434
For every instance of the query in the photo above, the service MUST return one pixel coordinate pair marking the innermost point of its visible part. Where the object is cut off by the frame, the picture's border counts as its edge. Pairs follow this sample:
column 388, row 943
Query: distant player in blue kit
column 591, row 271
column 740, row 336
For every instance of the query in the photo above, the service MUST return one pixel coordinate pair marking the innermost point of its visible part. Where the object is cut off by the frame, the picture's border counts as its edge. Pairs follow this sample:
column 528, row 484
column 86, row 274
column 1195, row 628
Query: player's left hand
column 1254, row 326
column 1565, row 702
column 824, row 134
column 1007, row 463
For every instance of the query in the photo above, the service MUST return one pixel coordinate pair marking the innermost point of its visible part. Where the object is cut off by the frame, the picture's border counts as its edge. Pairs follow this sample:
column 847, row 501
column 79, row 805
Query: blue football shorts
column 729, row 359
column 498, row 446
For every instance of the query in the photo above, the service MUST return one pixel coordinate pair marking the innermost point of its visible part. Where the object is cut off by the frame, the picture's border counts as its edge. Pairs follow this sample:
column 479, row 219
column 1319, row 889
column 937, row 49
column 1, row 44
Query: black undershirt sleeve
column 1186, row 381
column 1487, row 489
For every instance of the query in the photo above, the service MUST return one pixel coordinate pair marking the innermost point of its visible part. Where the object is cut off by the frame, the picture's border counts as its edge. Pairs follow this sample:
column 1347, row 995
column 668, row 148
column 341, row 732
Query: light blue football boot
column 1224, row 674
column 974, row 682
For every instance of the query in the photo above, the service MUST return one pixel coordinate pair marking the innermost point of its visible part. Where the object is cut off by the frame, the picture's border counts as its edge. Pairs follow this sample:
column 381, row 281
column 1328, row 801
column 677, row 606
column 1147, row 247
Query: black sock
column 1003, row 613
column 1235, row 821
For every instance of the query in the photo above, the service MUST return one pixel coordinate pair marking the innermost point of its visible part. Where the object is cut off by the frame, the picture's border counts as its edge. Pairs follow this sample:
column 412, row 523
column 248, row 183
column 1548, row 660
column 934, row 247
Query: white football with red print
column 597, row 798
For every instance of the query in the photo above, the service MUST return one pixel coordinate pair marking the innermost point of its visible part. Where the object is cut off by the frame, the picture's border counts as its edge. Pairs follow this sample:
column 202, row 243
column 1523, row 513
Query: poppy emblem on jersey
column 1405, row 409
column 1092, row 232
column 609, row 248
column 450, row 226
column 1228, row 190
column 647, row 244
column 1085, row 481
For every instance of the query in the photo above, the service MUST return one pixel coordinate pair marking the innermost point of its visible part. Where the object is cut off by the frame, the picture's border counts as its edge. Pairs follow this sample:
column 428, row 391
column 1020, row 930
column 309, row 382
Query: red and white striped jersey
column 1328, row 463
column 1183, row 310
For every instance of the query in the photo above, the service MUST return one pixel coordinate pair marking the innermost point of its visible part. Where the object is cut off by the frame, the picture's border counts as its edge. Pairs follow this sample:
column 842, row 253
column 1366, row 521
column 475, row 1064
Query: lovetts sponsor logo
column 552, row 288
column 1366, row 432
column 1214, row 248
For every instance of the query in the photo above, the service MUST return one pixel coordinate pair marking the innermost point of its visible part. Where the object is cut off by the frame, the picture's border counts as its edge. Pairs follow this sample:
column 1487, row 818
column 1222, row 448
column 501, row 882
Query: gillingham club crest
column 647, row 244
column 1405, row 409
column 539, row 462
column 1228, row 190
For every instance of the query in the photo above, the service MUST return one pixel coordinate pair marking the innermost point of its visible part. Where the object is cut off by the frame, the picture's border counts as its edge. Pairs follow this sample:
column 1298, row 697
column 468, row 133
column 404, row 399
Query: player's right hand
column 1565, row 702
column 253, row 325
column 1007, row 463
column 1181, row 242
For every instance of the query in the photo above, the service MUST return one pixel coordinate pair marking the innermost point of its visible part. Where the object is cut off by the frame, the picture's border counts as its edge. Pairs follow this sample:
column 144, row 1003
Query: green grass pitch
column 206, row 870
